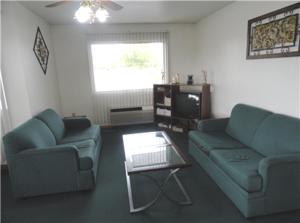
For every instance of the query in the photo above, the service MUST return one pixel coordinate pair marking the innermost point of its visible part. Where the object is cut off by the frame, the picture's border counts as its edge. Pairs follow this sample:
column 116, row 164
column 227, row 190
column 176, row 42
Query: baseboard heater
column 131, row 115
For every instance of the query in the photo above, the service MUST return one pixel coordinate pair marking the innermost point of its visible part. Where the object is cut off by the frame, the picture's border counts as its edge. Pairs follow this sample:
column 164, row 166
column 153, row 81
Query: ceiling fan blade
column 56, row 4
column 111, row 5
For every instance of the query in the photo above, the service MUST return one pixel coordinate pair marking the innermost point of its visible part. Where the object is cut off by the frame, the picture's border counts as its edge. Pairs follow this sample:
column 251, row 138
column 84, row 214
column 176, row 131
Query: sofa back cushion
column 32, row 134
column 278, row 134
column 244, row 121
column 54, row 122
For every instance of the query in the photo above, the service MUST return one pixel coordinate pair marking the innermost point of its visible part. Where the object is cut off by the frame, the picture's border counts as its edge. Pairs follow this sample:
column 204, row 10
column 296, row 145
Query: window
column 127, row 66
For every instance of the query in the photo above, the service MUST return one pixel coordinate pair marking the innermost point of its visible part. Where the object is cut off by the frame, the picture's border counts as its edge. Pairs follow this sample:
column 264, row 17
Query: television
column 187, row 105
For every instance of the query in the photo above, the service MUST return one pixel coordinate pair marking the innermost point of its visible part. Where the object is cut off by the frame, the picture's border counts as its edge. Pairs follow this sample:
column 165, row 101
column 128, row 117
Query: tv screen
column 187, row 105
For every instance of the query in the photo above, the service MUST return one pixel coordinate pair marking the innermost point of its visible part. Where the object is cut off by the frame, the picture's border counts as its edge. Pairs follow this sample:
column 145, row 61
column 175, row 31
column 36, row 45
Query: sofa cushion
column 212, row 140
column 81, row 144
column 278, row 134
column 92, row 132
column 54, row 122
column 244, row 121
column 241, row 165
column 32, row 134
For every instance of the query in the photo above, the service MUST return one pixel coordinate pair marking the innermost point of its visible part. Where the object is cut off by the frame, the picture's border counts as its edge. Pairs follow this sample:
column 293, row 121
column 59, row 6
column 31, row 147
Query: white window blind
column 125, row 90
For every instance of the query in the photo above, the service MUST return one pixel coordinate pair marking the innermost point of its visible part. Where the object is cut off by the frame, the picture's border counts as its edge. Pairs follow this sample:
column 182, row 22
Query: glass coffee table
column 153, row 151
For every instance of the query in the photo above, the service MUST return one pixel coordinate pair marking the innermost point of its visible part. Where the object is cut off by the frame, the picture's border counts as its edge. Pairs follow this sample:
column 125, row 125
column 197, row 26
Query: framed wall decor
column 40, row 50
column 276, row 34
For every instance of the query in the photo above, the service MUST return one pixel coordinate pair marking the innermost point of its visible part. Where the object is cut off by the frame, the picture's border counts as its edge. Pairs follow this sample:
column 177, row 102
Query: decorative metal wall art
column 40, row 50
column 276, row 34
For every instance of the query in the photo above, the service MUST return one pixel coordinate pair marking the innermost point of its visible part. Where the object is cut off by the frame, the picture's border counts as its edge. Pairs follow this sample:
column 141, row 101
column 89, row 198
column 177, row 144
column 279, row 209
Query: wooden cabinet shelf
column 164, row 116
column 162, row 105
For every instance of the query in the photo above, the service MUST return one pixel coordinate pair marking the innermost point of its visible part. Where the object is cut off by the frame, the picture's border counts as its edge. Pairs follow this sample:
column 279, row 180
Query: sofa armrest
column 44, row 170
column 76, row 123
column 209, row 125
column 281, row 175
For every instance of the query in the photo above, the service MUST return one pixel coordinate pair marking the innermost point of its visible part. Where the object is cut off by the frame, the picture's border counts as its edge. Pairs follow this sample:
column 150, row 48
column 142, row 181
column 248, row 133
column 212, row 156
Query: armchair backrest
column 54, row 123
column 32, row 134
column 278, row 134
column 244, row 121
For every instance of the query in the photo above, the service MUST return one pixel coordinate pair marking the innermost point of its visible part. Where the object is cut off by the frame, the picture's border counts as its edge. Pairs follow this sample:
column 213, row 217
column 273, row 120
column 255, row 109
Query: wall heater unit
column 131, row 115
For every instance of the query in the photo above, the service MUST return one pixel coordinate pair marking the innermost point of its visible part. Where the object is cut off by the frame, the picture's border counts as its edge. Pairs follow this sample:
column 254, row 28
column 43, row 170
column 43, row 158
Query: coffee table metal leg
column 131, row 205
column 161, row 191
column 185, row 194
column 130, row 197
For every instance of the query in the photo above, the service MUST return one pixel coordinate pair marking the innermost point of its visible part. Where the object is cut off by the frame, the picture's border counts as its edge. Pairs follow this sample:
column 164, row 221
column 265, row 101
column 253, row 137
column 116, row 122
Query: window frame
column 91, row 68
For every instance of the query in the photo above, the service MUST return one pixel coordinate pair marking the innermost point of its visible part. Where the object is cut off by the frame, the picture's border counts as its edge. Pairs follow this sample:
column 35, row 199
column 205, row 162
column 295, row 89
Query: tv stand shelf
column 162, row 105
column 166, row 105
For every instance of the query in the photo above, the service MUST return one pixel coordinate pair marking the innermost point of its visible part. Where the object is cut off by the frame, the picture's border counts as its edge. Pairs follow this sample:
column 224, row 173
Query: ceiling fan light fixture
column 102, row 14
column 90, row 10
column 83, row 14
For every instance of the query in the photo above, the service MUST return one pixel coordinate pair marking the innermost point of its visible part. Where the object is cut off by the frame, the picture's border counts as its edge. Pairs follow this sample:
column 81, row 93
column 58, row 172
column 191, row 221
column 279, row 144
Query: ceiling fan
column 91, row 10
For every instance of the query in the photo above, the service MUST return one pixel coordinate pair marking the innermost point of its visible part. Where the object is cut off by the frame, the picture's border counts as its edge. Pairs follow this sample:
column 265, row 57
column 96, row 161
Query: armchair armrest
column 55, row 150
column 281, row 175
column 208, row 125
column 76, row 123
column 44, row 170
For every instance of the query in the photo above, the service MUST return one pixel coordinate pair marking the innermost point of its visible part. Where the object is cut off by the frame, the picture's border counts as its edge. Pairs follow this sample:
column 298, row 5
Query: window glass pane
column 127, row 66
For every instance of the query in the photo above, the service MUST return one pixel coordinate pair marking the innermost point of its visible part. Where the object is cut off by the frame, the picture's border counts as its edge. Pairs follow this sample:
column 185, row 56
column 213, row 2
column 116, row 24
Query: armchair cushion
column 82, row 144
column 208, row 141
column 241, row 165
column 244, row 121
column 278, row 134
column 54, row 123
column 32, row 134
column 92, row 132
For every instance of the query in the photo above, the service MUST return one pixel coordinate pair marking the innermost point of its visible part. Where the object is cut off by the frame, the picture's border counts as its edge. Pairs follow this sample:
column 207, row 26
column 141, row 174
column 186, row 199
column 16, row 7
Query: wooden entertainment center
column 165, row 102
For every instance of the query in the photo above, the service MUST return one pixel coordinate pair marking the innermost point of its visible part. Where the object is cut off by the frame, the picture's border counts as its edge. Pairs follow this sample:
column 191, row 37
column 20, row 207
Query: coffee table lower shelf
column 160, row 192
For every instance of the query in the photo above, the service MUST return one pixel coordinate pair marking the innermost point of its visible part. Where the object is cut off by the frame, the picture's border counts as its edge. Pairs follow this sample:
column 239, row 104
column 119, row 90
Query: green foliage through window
column 140, row 57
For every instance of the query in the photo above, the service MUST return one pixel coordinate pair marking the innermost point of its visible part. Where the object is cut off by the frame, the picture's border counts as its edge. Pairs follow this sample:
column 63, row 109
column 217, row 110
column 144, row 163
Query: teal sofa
column 253, row 156
column 48, row 155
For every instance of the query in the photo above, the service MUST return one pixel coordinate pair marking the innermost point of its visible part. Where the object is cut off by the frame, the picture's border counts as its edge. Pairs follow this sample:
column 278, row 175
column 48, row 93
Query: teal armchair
column 43, row 159
column 253, row 156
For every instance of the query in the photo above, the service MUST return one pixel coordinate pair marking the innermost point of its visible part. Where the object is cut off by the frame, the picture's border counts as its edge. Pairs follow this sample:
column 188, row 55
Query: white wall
column 273, row 84
column 70, row 47
column 28, row 90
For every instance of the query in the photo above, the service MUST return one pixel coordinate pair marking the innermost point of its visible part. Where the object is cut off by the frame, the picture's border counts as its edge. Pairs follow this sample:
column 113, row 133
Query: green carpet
column 108, row 202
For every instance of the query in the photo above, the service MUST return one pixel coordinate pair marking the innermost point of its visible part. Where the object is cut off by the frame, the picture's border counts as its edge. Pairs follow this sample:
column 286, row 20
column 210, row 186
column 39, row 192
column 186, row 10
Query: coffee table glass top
column 151, row 151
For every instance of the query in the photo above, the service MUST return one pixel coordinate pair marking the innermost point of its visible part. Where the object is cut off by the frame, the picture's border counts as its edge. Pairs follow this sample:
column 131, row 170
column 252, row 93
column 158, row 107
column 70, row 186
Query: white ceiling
column 133, row 11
